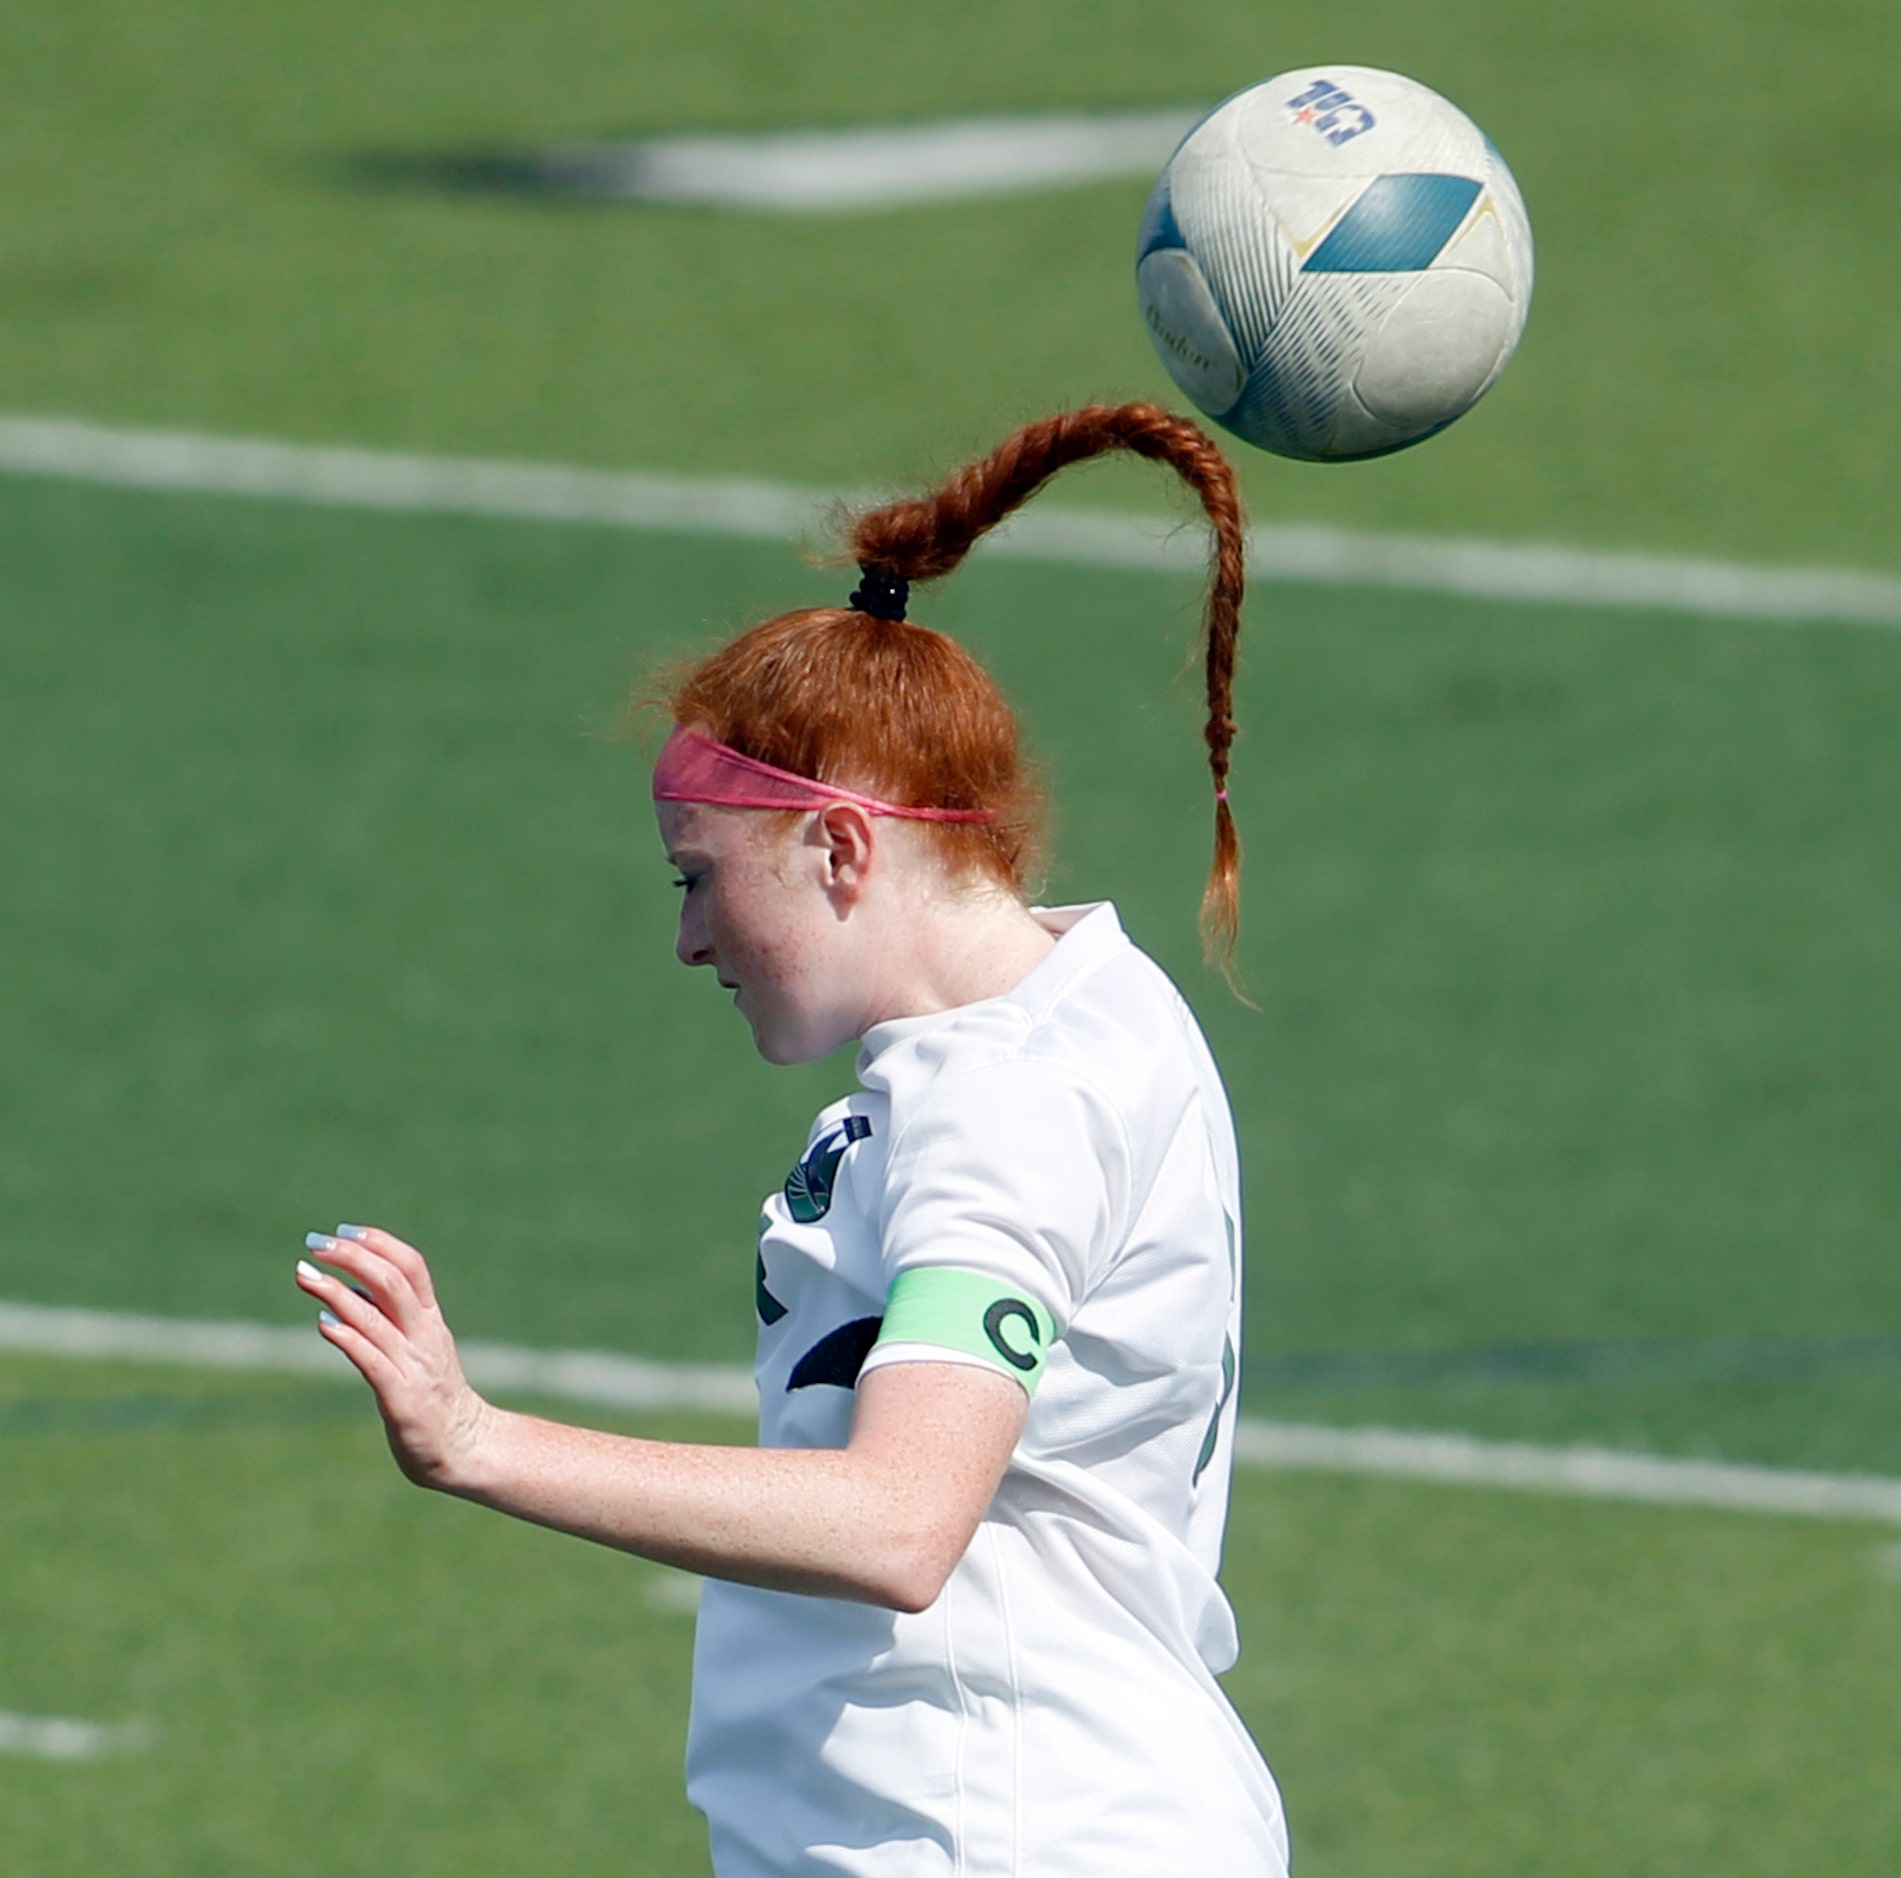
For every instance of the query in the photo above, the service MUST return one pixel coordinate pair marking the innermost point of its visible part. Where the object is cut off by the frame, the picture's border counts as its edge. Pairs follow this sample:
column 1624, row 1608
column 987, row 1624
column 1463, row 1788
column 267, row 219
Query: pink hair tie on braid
column 693, row 768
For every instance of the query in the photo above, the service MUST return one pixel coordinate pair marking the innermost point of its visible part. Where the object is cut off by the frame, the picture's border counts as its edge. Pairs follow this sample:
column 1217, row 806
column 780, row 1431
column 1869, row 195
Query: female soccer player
column 963, row 1617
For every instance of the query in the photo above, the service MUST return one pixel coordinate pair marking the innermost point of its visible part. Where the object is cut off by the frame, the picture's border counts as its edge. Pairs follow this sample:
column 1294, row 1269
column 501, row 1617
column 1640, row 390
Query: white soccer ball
column 1335, row 263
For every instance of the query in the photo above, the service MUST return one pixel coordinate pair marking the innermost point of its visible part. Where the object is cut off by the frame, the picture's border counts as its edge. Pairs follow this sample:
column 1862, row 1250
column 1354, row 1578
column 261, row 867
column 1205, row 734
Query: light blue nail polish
column 353, row 1232
column 319, row 1242
column 328, row 1317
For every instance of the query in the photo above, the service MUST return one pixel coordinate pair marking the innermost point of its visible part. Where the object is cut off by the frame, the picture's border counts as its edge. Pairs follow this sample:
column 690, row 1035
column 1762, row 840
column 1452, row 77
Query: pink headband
column 693, row 768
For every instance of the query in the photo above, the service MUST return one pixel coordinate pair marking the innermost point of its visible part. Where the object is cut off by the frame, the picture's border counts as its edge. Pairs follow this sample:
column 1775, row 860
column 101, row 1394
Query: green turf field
column 188, row 242
column 1453, row 1685
column 331, row 892
column 335, row 895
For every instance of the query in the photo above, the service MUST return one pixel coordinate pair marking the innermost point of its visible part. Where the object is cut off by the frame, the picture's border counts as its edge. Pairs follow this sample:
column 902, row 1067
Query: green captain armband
column 974, row 1315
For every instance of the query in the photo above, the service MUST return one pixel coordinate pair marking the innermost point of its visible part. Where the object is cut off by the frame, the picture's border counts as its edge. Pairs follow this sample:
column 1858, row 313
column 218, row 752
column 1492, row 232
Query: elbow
column 908, row 1594
column 908, row 1575
column 914, row 1593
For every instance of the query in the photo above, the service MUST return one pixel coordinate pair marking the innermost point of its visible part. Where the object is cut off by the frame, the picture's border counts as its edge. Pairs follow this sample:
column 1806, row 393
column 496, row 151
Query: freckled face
column 754, row 907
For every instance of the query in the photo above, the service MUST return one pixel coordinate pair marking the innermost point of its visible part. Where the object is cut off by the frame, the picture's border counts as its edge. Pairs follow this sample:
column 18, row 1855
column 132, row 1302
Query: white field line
column 1593, row 1473
column 596, row 1377
column 61, row 1738
column 674, row 1593
column 603, row 1380
column 72, row 450
column 820, row 172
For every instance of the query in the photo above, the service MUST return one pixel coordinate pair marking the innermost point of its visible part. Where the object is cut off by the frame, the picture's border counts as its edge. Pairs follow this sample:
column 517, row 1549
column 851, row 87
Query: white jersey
column 1054, row 1714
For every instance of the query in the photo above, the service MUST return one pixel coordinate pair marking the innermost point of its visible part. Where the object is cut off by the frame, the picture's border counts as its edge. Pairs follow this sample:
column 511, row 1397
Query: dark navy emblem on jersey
column 808, row 1188
column 769, row 1308
column 837, row 1357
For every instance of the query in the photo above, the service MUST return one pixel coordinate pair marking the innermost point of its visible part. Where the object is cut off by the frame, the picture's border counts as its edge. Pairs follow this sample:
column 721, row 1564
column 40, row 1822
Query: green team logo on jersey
column 808, row 1188
column 1229, row 1370
column 971, row 1313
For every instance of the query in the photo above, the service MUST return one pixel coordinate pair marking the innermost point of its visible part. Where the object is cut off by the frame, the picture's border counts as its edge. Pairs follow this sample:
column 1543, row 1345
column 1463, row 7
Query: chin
column 785, row 1050
column 770, row 1044
column 784, row 1055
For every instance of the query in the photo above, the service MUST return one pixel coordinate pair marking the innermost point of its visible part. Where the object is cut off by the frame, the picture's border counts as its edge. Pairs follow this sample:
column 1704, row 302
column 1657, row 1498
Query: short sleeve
column 1018, row 1171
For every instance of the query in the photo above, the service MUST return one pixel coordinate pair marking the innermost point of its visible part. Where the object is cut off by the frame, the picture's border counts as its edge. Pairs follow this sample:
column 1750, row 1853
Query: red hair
column 902, row 712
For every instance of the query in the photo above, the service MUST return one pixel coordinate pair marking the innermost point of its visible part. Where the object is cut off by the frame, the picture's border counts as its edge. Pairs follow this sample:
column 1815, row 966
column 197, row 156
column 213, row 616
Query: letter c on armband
column 948, row 1308
column 1000, row 1314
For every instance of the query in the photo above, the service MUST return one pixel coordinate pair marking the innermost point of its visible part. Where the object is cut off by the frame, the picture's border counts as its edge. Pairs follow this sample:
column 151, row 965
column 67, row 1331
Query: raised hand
column 385, row 1319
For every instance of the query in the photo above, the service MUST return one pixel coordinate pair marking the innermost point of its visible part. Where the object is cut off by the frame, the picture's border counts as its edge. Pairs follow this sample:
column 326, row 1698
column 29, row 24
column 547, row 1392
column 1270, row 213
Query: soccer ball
column 1335, row 263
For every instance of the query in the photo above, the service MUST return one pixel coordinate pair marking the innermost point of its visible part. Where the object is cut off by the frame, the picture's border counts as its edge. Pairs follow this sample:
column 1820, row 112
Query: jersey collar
column 1084, row 935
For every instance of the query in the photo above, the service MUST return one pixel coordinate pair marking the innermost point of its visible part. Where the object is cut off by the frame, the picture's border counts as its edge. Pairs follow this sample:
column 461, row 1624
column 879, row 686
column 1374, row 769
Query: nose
column 691, row 945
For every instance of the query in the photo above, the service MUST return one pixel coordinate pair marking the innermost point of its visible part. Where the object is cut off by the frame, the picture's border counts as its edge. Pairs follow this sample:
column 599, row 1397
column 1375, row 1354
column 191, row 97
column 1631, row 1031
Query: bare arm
column 883, row 1519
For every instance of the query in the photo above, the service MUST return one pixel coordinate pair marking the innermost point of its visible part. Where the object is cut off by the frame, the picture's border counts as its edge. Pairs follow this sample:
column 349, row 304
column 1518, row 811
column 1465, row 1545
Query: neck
column 961, row 951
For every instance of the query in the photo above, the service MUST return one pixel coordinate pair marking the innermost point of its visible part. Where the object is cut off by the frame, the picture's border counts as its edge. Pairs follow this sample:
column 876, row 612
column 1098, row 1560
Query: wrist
column 467, row 1466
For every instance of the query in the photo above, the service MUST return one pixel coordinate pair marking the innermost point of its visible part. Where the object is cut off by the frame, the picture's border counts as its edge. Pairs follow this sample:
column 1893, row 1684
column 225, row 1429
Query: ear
column 850, row 847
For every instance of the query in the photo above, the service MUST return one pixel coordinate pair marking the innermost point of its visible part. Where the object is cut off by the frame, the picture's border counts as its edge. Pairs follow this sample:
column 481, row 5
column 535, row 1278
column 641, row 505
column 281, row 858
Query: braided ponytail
column 926, row 538
column 859, row 695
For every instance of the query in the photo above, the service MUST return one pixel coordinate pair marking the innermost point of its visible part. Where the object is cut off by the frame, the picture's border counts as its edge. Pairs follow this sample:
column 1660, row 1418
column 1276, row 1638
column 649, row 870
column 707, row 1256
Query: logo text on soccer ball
column 1177, row 344
column 1334, row 114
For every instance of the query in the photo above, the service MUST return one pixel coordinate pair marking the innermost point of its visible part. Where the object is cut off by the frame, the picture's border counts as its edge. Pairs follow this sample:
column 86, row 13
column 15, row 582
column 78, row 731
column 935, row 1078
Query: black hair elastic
column 883, row 596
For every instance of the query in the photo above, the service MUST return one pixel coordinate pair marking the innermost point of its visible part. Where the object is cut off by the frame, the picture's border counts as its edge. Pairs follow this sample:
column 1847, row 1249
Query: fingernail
column 319, row 1242
column 307, row 1270
column 327, row 1317
column 353, row 1232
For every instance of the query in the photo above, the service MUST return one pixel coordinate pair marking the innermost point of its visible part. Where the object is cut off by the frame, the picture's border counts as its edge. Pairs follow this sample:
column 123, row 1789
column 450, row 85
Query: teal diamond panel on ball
column 1397, row 226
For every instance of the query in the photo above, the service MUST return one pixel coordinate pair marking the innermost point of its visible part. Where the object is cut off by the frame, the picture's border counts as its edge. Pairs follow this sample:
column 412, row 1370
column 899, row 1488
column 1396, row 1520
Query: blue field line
column 73, row 449
column 604, row 1380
